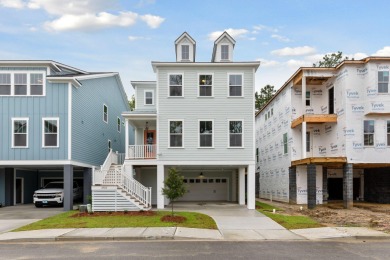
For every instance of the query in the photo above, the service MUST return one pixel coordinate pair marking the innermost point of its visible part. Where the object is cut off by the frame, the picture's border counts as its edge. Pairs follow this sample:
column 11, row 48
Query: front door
column 149, row 141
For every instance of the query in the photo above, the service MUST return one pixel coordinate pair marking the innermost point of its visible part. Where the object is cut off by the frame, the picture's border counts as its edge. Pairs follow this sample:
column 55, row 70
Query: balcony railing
column 142, row 152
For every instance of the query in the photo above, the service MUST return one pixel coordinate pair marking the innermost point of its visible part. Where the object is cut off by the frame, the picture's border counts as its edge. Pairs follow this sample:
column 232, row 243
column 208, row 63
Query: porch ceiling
column 326, row 161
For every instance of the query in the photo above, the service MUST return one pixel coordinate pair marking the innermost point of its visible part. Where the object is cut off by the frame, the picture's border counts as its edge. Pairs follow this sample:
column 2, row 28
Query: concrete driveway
column 237, row 222
column 17, row 216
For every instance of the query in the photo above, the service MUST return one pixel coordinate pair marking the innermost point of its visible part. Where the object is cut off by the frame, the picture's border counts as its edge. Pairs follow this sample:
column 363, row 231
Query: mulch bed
column 118, row 213
column 176, row 219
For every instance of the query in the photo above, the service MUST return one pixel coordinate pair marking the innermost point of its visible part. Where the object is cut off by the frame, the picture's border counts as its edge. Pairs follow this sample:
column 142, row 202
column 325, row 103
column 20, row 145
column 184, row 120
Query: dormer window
column 185, row 52
column 224, row 52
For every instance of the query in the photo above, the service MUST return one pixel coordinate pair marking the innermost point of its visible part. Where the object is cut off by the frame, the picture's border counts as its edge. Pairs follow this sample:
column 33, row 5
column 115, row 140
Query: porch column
column 292, row 184
column 303, row 112
column 348, row 185
column 87, row 180
column 160, row 185
column 324, row 185
column 241, row 186
column 251, row 185
column 9, row 186
column 311, row 186
column 126, row 138
column 68, row 187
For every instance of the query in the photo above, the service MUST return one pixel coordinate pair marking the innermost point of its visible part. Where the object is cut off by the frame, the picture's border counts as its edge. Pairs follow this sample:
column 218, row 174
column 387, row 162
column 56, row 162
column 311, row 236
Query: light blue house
column 56, row 123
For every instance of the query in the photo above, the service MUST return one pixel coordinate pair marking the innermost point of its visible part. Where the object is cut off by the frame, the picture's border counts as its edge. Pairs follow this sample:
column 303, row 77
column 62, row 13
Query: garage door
column 206, row 189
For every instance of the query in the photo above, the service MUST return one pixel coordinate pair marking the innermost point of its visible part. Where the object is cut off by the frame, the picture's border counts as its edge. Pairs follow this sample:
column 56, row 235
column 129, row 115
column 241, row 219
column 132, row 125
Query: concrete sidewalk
column 179, row 233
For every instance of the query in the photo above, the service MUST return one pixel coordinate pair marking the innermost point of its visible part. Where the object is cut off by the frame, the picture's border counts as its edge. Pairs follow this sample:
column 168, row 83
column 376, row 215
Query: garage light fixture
column 201, row 176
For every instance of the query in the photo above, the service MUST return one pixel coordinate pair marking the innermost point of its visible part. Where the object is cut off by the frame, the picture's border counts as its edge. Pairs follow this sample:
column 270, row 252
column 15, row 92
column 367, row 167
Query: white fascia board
column 254, row 64
column 17, row 163
column 71, row 80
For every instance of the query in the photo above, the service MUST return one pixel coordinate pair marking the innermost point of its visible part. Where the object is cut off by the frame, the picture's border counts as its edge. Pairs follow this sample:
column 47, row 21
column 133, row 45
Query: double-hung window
column 185, row 52
column 383, row 82
column 206, row 133
column 235, row 85
column 20, row 132
column 285, row 145
column 36, row 84
column 105, row 113
column 176, row 133
column 369, row 131
column 235, row 133
column 20, row 80
column 148, row 97
column 5, row 84
column 176, row 85
column 205, row 85
column 224, row 52
column 50, row 132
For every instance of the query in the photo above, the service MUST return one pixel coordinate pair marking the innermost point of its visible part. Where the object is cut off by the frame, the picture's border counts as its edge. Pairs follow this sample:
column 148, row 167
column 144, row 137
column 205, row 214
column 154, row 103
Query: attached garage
column 206, row 189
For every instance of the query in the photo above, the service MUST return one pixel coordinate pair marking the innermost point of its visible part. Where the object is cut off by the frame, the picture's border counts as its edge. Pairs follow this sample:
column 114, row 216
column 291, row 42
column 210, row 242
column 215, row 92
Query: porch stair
column 115, row 190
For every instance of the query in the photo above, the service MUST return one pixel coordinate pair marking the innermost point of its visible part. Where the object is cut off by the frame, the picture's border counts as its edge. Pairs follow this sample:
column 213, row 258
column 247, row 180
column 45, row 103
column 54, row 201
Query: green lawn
column 287, row 221
column 65, row 220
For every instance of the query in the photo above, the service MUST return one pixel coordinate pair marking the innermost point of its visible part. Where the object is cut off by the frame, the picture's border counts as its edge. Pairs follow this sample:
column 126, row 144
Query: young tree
column 132, row 103
column 266, row 93
column 174, row 186
column 330, row 60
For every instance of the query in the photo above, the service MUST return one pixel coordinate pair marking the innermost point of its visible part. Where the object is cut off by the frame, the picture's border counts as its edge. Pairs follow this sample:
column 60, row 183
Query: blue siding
column 54, row 104
column 90, row 134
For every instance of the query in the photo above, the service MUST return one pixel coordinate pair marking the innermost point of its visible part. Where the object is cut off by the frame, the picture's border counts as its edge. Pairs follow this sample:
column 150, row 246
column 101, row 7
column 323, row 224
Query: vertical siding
column 54, row 104
column 219, row 108
column 90, row 134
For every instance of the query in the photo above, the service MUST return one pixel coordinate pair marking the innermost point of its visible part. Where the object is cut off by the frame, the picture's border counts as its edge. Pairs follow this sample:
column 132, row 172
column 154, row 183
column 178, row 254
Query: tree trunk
column 172, row 207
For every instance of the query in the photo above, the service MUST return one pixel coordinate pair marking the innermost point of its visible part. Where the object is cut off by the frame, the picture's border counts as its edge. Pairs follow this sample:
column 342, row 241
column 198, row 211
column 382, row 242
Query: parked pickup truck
column 53, row 194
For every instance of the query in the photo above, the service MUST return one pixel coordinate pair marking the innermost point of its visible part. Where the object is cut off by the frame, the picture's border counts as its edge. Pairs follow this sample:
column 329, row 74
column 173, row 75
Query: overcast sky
column 125, row 36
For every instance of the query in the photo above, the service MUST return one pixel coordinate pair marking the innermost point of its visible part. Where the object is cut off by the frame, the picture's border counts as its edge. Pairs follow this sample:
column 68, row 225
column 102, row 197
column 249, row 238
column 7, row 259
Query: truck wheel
column 38, row 205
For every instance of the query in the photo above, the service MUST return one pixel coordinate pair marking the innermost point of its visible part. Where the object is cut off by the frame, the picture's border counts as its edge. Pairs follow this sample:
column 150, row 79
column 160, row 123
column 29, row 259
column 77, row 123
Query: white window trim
column 43, row 131
column 377, row 84
column 120, row 122
column 242, row 85
column 104, row 105
column 12, row 132
column 228, row 136
column 28, row 72
column 181, row 50
column 182, row 84
column 228, row 46
column 212, row 85
column 169, row 134
column 212, row 134
column 145, row 91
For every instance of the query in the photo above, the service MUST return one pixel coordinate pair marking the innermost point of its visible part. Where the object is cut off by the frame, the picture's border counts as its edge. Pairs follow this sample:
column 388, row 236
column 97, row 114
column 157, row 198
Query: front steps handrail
column 99, row 175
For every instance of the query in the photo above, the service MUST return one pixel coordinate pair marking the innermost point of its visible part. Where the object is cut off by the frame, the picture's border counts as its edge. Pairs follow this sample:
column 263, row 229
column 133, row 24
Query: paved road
column 197, row 250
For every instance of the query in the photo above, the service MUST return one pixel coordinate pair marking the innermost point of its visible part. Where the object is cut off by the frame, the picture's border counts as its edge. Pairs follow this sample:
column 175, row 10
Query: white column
column 160, row 185
column 126, row 138
column 251, row 184
column 303, row 113
column 241, row 186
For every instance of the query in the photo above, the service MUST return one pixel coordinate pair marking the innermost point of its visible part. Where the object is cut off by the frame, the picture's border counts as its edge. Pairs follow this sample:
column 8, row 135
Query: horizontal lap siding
column 219, row 108
column 54, row 104
column 90, row 134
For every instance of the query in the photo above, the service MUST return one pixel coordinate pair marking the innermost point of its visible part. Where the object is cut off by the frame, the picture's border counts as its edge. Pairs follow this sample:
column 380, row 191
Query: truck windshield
column 54, row 185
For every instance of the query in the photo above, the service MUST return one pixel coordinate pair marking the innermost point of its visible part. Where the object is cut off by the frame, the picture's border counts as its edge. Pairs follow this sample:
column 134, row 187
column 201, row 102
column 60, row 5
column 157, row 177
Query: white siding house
column 325, row 135
column 200, row 121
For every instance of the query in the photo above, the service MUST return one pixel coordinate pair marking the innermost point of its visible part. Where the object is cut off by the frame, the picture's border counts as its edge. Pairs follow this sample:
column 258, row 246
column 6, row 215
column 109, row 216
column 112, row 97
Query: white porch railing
column 142, row 151
column 98, row 175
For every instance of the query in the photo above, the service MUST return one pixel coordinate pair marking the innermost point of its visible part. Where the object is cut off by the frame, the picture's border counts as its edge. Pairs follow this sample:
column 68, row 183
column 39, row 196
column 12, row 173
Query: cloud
column 261, row 27
column 89, row 21
column 84, row 15
column 297, row 51
column 136, row 38
column 232, row 32
column 17, row 4
column 152, row 21
column 280, row 38
column 385, row 51
column 298, row 63
column 268, row 63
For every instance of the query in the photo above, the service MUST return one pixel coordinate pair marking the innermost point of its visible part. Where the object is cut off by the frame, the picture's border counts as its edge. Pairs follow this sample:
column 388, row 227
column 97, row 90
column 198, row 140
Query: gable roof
column 220, row 38
column 181, row 37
